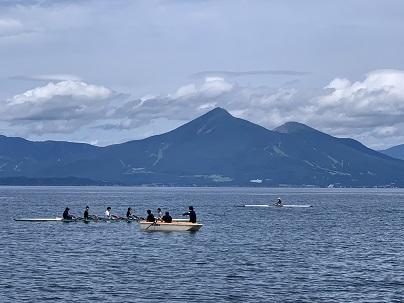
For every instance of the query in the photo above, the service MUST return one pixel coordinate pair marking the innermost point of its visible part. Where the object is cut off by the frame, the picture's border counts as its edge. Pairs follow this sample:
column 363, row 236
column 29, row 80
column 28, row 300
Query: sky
column 105, row 72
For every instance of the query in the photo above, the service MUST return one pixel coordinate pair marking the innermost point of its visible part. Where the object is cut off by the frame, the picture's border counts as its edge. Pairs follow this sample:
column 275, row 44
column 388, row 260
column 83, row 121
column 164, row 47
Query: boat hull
column 283, row 205
column 59, row 219
column 174, row 226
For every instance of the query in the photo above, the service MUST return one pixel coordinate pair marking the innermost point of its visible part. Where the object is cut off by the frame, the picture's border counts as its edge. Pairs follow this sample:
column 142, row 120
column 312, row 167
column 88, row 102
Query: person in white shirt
column 159, row 213
column 108, row 213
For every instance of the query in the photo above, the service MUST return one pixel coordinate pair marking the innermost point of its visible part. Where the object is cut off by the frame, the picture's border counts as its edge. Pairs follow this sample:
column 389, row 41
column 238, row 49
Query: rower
column 150, row 216
column 109, row 215
column 167, row 218
column 192, row 215
column 86, row 214
column 66, row 215
column 279, row 202
column 129, row 213
column 159, row 213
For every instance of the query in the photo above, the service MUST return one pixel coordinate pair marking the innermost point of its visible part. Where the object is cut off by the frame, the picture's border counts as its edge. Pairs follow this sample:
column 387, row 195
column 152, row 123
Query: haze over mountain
column 215, row 149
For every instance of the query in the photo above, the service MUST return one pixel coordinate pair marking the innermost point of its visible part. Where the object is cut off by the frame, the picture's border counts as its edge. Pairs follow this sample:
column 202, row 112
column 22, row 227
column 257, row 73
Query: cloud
column 371, row 110
column 59, row 107
column 233, row 74
column 48, row 77
column 72, row 89
column 377, row 101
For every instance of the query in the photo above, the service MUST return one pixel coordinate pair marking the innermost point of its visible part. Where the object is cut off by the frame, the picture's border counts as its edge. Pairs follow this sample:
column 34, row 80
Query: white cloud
column 72, row 89
column 211, row 87
column 60, row 107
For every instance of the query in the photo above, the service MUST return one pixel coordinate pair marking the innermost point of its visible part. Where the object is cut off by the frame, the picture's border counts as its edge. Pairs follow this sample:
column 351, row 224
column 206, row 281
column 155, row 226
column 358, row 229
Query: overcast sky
column 105, row 72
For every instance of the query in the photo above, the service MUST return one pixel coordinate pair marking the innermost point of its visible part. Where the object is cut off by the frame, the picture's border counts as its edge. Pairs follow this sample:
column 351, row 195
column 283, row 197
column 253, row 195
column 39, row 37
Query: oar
column 154, row 223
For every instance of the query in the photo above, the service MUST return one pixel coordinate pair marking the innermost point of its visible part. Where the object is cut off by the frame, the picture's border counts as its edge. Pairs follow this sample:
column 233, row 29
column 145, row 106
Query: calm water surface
column 349, row 247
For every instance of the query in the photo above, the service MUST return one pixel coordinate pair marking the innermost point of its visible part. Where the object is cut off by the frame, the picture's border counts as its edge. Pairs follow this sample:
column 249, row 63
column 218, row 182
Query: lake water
column 349, row 247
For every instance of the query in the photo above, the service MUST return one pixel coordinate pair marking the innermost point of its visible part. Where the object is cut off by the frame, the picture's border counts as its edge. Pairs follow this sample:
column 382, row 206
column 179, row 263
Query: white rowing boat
column 93, row 219
column 174, row 226
column 59, row 219
column 294, row 205
column 39, row 219
column 283, row 205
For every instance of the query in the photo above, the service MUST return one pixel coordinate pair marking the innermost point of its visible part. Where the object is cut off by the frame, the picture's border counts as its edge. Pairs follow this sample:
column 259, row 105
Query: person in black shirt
column 66, row 215
column 150, row 216
column 86, row 215
column 167, row 218
column 192, row 215
column 129, row 213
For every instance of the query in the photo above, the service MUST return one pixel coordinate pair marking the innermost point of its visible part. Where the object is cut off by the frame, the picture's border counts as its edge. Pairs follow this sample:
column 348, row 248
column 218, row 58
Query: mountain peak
column 295, row 127
column 216, row 116
column 218, row 111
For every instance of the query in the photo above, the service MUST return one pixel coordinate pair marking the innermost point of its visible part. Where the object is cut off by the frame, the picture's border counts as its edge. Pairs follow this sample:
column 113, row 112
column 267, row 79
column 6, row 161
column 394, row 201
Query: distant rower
column 167, row 218
column 66, row 215
column 108, row 214
column 150, row 216
column 129, row 213
column 279, row 202
column 192, row 215
column 159, row 213
column 86, row 215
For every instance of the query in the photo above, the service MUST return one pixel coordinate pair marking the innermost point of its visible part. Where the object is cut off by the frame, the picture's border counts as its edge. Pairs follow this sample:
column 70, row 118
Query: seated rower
column 150, row 216
column 86, row 215
column 279, row 202
column 129, row 213
column 192, row 215
column 108, row 214
column 159, row 213
column 167, row 218
column 66, row 215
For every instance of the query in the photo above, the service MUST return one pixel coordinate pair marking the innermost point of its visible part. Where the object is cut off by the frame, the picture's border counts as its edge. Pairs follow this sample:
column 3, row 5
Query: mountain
column 215, row 149
column 20, row 157
column 395, row 152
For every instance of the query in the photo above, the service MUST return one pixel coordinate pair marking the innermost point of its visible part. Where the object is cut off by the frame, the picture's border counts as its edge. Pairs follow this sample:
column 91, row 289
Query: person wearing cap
column 150, row 216
column 86, row 214
column 167, row 218
column 66, row 215
column 279, row 202
column 192, row 215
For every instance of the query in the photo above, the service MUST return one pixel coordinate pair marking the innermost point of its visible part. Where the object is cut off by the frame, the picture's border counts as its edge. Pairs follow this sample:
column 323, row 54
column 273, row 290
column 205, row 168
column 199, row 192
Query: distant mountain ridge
column 395, row 151
column 215, row 149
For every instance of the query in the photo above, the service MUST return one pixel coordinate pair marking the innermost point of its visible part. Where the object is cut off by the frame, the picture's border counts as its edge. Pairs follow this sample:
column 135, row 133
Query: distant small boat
column 275, row 205
column 174, row 226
